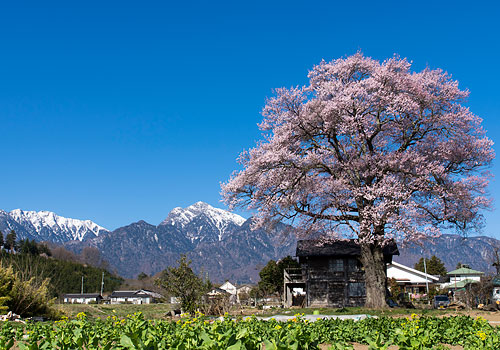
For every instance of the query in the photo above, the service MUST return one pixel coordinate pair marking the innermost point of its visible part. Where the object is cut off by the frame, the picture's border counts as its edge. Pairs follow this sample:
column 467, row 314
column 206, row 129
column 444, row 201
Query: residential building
column 131, row 297
column 217, row 292
column 461, row 277
column 231, row 289
column 412, row 281
column 243, row 292
column 331, row 274
column 496, row 289
column 86, row 298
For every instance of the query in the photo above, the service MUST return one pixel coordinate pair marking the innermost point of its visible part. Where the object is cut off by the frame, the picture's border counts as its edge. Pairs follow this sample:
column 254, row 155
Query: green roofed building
column 461, row 277
column 496, row 289
column 496, row 281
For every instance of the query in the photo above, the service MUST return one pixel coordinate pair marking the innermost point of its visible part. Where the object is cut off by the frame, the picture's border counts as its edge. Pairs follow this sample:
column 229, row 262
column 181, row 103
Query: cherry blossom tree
column 369, row 150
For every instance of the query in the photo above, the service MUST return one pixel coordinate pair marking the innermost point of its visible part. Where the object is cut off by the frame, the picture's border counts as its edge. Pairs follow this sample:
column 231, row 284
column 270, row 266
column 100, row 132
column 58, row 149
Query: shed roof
column 317, row 247
column 464, row 271
column 84, row 295
column 128, row 294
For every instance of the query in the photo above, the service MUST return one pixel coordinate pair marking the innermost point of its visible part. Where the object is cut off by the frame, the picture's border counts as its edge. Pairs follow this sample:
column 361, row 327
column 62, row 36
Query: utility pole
column 426, row 281
column 102, row 283
column 82, row 284
column 425, row 272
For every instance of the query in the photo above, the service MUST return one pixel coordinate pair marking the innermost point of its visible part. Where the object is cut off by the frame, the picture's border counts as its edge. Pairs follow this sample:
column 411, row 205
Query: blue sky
column 120, row 111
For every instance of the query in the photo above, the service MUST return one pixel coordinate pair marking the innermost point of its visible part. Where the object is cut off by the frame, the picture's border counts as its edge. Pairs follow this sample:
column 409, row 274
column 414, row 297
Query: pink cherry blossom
column 369, row 149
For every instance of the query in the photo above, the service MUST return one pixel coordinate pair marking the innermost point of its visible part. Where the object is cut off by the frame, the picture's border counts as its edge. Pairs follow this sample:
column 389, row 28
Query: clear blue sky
column 120, row 111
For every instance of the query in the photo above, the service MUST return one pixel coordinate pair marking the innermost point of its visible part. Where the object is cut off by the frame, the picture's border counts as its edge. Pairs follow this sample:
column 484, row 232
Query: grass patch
column 393, row 312
column 150, row 311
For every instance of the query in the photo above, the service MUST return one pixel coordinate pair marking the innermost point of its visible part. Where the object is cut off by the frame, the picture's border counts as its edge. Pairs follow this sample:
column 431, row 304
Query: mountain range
column 219, row 243
column 48, row 226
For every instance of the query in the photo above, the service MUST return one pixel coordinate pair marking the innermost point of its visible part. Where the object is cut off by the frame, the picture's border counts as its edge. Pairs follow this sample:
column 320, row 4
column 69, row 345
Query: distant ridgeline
column 219, row 243
column 65, row 276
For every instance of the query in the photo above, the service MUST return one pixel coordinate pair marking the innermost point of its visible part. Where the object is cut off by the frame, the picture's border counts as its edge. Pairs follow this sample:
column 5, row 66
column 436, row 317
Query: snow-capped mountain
column 48, row 226
column 218, row 242
column 201, row 222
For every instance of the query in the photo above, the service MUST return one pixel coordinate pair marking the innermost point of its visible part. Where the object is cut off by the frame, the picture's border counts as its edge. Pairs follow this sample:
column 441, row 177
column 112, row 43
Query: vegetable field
column 200, row 332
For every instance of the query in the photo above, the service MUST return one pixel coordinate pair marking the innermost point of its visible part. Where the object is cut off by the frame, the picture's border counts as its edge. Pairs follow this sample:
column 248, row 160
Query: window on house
column 357, row 289
column 353, row 265
column 336, row 265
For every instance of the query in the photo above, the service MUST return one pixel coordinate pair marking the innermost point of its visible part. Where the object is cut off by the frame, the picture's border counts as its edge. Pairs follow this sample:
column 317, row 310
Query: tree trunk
column 372, row 259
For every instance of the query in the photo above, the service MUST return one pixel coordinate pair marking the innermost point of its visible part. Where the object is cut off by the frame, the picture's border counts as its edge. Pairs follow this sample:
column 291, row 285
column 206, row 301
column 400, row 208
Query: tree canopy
column 65, row 276
column 10, row 241
column 434, row 266
column 368, row 149
column 183, row 283
column 271, row 275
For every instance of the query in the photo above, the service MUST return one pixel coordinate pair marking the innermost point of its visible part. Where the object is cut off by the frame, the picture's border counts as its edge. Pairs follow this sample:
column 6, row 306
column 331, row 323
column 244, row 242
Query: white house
column 86, row 298
column 216, row 292
column 412, row 280
column 229, row 287
column 154, row 295
column 244, row 289
column 461, row 277
column 130, row 297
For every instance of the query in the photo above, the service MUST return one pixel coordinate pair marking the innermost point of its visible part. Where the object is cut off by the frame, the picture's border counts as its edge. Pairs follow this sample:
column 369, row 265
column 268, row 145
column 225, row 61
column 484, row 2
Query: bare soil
column 393, row 347
column 493, row 317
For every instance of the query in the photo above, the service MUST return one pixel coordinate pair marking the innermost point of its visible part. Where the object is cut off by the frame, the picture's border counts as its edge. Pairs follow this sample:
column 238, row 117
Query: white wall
column 131, row 300
column 457, row 279
column 79, row 300
column 229, row 287
column 408, row 275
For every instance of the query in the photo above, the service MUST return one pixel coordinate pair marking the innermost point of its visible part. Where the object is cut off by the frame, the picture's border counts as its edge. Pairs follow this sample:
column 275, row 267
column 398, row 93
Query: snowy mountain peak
column 47, row 225
column 217, row 217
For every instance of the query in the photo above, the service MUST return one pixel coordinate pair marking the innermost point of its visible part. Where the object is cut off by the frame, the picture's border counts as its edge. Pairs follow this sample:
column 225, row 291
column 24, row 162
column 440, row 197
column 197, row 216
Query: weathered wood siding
column 334, row 281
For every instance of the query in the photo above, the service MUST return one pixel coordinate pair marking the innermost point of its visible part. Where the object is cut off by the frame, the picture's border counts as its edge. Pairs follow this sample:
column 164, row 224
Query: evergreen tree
column 44, row 249
column 434, row 266
column 271, row 276
column 1, row 239
column 25, row 246
column 65, row 276
column 10, row 241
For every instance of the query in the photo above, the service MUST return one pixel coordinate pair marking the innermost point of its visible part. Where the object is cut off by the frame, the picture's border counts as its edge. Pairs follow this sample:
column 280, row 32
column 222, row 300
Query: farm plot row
column 134, row 332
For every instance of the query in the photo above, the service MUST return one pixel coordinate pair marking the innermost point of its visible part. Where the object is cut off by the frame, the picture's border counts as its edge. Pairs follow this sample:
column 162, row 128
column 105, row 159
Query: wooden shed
column 331, row 273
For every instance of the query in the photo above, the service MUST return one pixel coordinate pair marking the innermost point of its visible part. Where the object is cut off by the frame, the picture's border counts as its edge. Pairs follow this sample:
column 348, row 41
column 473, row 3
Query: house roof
column 216, row 291
column 465, row 271
column 316, row 247
column 84, row 295
column 151, row 293
column 128, row 294
column 459, row 284
column 245, row 286
column 415, row 272
column 227, row 284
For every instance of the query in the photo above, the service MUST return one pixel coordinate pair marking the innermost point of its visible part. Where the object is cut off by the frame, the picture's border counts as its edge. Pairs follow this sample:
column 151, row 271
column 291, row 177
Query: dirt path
column 493, row 317
column 393, row 347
